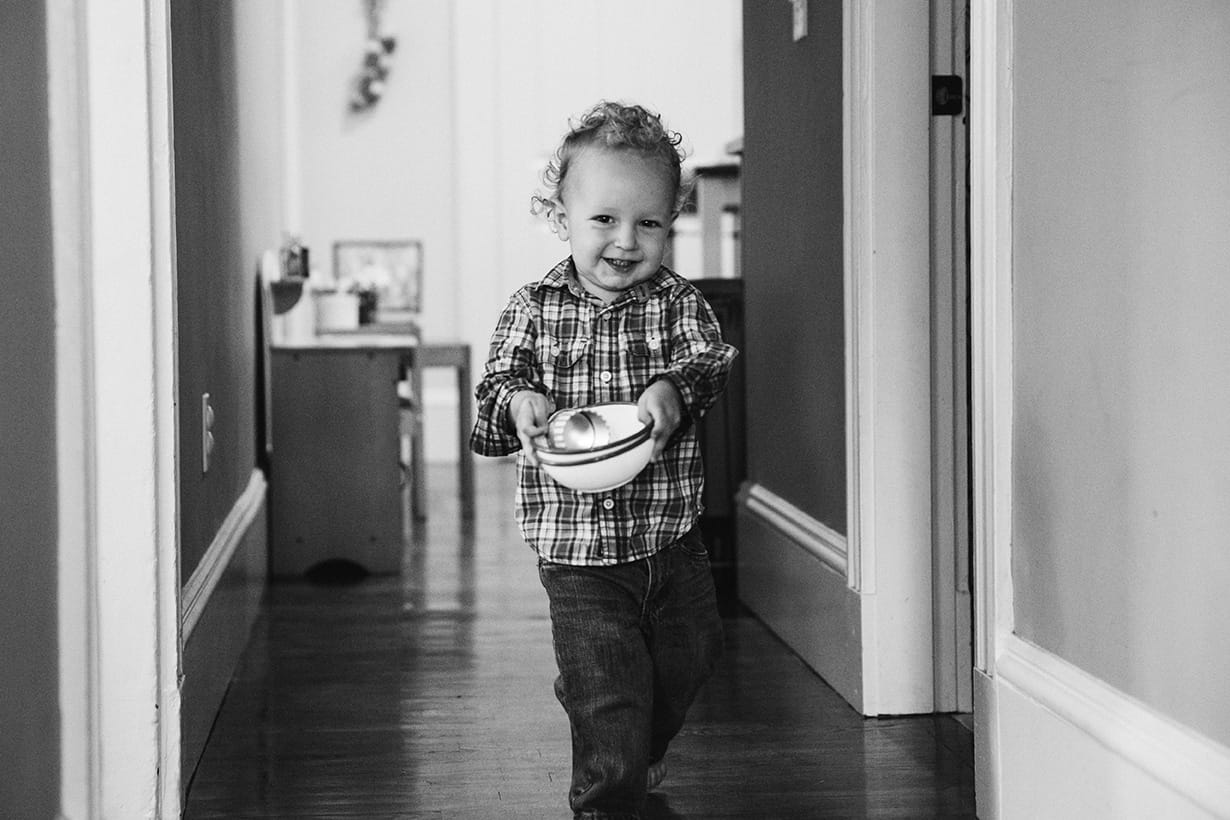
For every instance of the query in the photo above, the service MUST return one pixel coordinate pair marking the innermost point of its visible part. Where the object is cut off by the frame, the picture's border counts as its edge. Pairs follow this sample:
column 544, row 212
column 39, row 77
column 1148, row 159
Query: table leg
column 457, row 358
column 465, row 420
column 418, row 483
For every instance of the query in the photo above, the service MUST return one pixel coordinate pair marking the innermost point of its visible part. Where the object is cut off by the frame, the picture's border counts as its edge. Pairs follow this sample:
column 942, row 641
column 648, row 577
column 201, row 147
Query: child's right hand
column 528, row 411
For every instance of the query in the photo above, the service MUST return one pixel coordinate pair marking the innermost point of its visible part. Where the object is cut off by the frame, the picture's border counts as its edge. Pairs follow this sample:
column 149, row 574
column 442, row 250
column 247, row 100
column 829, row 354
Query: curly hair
column 615, row 125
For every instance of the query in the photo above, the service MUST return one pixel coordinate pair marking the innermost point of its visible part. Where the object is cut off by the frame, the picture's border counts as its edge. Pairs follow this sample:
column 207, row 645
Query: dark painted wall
column 216, row 279
column 29, row 673
column 792, row 258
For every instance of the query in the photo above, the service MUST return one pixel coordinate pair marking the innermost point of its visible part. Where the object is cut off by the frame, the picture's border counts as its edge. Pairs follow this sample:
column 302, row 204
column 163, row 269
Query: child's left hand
column 661, row 404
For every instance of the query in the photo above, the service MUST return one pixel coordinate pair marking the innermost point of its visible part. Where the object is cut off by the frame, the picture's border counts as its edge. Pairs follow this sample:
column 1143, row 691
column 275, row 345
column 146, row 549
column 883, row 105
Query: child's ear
column 558, row 220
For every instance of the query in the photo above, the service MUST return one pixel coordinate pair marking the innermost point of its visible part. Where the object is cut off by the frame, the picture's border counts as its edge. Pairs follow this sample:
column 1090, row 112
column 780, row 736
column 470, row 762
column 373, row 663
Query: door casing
column 950, row 539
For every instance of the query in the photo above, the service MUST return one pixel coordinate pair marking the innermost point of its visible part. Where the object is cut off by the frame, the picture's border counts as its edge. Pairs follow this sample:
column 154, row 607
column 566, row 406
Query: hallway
column 429, row 696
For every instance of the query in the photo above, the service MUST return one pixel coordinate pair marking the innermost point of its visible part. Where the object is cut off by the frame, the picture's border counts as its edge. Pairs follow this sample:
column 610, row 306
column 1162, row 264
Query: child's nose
column 626, row 237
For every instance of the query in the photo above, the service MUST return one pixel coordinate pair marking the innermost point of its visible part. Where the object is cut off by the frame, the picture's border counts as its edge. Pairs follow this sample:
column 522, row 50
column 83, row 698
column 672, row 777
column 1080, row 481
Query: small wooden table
column 403, row 325
column 335, row 473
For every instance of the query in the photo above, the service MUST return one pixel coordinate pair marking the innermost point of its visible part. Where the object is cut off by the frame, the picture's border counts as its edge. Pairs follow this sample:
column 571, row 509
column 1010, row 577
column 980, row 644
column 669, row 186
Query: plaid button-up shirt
column 557, row 339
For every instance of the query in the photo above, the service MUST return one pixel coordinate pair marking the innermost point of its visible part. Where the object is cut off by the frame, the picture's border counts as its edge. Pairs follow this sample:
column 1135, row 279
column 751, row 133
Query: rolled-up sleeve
column 700, row 361
column 511, row 367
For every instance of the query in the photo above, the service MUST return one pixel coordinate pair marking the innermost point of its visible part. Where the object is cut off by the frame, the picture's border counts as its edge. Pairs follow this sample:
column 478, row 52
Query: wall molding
column 990, row 295
column 217, row 557
column 113, row 245
column 986, row 753
column 990, row 375
column 79, row 594
column 858, row 118
column 886, row 275
column 809, row 534
column 1193, row 766
column 792, row 576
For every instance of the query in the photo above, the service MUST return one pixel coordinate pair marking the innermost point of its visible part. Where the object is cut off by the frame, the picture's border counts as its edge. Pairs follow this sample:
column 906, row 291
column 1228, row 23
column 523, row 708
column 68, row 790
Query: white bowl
column 612, row 465
column 620, row 420
column 602, row 472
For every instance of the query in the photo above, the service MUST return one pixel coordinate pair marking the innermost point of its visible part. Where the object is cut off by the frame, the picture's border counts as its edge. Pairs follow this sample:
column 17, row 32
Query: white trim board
column 1099, row 752
column 80, row 740
column 986, row 751
column 857, row 120
column 886, row 55
column 990, row 297
column 990, row 328
column 823, row 542
column 791, row 575
column 111, row 182
column 217, row 557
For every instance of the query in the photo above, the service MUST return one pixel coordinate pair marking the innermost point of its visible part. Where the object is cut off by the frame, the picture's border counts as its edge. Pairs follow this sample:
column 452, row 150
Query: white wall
column 1122, row 460
column 384, row 173
column 479, row 95
column 1100, row 188
column 259, row 59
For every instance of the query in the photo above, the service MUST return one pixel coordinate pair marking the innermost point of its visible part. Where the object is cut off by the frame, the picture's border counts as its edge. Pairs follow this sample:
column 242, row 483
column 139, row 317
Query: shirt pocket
column 562, row 361
column 648, row 355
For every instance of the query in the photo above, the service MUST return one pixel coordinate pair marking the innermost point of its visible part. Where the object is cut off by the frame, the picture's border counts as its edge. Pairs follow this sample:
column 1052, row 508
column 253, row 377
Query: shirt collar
column 564, row 275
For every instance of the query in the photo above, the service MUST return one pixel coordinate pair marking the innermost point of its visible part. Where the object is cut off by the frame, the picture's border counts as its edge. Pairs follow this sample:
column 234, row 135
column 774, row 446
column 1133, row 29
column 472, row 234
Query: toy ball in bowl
column 595, row 448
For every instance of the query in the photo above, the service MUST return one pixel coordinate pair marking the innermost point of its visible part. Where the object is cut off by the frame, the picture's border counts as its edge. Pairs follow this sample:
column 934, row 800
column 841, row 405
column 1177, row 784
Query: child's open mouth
column 621, row 265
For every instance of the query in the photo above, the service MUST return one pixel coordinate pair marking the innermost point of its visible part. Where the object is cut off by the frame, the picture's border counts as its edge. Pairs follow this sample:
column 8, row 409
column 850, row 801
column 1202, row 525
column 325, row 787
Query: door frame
column 116, row 425
column 886, row 81
column 990, row 147
column 951, row 588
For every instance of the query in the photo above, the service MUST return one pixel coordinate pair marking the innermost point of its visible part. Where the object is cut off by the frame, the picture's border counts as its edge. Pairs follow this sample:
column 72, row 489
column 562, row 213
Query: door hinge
column 947, row 95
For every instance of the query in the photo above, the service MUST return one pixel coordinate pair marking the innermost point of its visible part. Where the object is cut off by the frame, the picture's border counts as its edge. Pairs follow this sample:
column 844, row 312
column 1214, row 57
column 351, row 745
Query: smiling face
column 615, row 211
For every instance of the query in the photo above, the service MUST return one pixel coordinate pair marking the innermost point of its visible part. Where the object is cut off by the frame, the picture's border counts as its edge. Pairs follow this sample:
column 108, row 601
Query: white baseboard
column 196, row 592
column 986, row 759
column 825, row 543
column 219, row 605
column 1069, row 745
column 791, row 571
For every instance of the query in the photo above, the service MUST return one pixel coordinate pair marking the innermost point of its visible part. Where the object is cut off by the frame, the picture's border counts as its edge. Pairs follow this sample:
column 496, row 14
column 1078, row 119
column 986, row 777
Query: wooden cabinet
column 335, row 480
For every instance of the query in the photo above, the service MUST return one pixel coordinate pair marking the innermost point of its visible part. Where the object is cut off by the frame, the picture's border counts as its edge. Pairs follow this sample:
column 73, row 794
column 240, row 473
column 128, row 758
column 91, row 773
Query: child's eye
column 603, row 219
column 650, row 223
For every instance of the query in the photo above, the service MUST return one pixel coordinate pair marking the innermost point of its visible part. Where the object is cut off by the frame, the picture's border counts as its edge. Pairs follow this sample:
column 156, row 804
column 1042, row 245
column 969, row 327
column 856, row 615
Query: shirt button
column 605, row 376
column 608, row 504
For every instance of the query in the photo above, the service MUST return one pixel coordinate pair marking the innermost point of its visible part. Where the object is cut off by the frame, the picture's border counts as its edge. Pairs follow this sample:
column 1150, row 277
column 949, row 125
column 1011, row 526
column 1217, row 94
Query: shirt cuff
column 494, row 434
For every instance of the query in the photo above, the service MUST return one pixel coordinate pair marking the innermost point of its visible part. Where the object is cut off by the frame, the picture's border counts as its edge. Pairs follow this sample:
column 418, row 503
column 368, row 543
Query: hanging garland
column 377, row 57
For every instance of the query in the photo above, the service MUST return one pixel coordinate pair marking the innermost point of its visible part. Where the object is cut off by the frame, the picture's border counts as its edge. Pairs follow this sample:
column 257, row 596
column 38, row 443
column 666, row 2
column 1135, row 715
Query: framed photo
column 392, row 268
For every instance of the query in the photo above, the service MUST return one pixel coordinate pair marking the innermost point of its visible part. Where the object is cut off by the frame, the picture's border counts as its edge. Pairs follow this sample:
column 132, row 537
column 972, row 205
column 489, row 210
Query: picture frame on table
column 393, row 268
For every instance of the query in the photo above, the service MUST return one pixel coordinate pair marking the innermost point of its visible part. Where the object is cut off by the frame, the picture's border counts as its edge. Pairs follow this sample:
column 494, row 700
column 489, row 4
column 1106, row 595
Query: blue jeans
column 633, row 643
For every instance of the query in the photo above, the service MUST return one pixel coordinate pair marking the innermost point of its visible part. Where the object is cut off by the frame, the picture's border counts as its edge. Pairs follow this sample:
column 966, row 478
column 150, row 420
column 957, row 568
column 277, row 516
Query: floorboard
column 429, row 696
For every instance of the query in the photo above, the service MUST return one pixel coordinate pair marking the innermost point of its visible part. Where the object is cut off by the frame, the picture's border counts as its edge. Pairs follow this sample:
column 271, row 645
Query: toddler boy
column 634, row 618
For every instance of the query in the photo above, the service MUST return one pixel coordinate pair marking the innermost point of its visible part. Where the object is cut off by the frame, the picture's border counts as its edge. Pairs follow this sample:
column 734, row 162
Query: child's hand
column 661, row 404
column 528, row 411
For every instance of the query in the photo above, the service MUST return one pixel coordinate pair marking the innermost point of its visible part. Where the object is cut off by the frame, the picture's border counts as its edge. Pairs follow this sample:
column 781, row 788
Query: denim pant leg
column 605, row 682
column 685, row 637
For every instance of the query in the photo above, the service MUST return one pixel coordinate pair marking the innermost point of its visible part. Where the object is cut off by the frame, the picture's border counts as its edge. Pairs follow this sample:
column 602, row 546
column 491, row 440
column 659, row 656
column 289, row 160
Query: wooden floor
column 429, row 696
